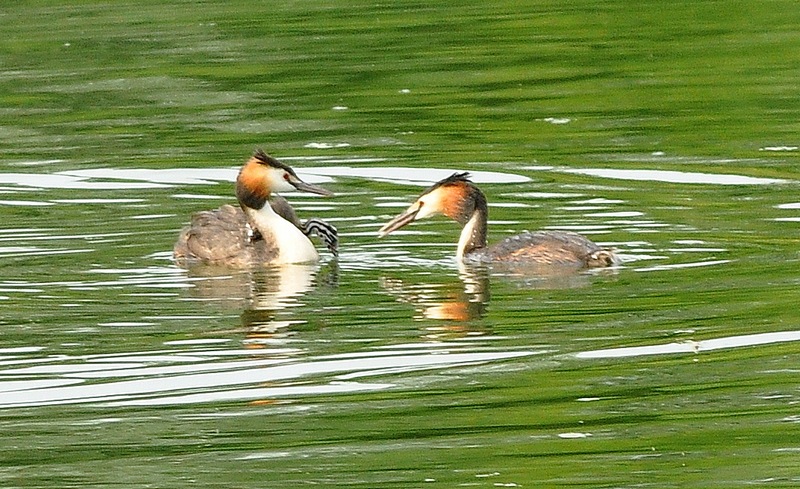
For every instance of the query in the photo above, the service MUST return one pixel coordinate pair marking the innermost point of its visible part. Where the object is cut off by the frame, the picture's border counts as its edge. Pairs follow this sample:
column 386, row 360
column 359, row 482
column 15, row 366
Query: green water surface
column 666, row 130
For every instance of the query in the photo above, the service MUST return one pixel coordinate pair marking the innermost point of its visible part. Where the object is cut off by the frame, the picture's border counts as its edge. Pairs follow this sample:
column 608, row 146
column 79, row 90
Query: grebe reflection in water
column 459, row 300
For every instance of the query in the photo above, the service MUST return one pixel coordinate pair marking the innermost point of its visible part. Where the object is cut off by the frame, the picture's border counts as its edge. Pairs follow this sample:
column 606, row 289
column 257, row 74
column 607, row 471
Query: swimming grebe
column 459, row 199
column 264, row 230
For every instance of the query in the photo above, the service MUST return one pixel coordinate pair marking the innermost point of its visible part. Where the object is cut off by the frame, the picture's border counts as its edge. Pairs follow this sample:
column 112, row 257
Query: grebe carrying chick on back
column 264, row 230
column 459, row 199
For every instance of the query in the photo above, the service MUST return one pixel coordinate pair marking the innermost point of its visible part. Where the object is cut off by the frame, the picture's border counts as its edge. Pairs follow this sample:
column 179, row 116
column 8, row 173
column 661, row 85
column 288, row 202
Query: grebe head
column 455, row 197
column 263, row 174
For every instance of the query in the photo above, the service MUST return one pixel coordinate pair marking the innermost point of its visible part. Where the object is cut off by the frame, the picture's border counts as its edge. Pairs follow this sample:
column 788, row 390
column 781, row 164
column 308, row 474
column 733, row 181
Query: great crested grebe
column 265, row 230
column 459, row 199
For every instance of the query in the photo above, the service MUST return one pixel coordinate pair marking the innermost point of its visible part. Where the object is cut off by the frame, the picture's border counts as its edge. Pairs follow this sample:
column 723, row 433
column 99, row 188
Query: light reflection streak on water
column 674, row 266
column 417, row 176
column 147, row 384
column 694, row 346
column 10, row 252
column 155, row 277
column 95, row 178
column 49, row 234
column 66, row 181
column 673, row 176
column 25, row 203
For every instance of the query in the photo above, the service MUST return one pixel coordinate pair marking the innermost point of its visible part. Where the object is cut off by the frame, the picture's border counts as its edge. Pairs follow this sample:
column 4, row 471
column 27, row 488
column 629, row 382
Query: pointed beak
column 405, row 218
column 302, row 186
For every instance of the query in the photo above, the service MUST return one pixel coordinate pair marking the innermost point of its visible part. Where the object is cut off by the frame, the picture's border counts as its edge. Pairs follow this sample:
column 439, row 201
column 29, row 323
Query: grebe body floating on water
column 459, row 199
column 264, row 230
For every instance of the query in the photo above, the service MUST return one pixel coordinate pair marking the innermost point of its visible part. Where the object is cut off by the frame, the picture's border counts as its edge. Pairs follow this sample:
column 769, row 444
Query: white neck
column 293, row 246
column 466, row 236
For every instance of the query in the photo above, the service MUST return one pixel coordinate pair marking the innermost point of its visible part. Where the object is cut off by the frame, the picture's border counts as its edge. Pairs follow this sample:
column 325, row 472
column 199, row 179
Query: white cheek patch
column 277, row 181
column 424, row 210
column 430, row 205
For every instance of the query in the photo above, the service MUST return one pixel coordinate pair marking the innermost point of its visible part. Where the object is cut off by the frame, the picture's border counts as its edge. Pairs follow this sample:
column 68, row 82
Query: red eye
column 286, row 176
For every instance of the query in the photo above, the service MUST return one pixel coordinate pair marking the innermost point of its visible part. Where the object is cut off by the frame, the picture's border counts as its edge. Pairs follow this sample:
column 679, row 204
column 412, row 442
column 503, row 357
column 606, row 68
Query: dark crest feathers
column 454, row 178
column 268, row 160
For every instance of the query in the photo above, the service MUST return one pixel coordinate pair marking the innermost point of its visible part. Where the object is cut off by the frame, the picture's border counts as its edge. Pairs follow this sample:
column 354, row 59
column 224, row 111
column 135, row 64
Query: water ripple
column 177, row 382
column 695, row 346
column 674, row 176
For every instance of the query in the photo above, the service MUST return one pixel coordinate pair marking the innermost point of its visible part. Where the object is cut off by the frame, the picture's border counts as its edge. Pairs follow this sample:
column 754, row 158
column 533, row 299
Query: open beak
column 405, row 218
column 302, row 186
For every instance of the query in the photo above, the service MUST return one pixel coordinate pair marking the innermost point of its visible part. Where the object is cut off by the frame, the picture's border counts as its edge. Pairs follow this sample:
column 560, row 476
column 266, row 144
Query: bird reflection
column 262, row 293
column 468, row 298
column 464, row 300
